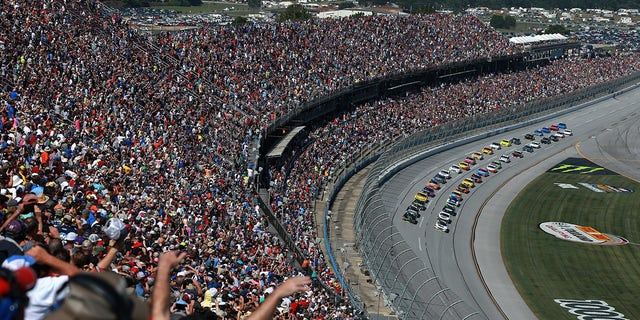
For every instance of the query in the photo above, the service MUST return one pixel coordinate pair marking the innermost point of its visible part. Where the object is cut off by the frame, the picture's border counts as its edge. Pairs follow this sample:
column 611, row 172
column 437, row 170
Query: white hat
column 94, row 238
column 17, row 180
column 71, row 236
column 16, row 262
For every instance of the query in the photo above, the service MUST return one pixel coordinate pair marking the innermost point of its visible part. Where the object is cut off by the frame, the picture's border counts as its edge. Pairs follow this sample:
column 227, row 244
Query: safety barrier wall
column 338, row 184
column 414, row 290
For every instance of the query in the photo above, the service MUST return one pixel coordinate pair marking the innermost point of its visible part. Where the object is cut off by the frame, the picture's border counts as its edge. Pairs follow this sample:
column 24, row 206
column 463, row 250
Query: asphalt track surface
column 468, row 258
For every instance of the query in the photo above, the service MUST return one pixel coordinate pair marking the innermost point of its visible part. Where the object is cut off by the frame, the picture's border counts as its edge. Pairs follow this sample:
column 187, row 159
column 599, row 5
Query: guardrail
column 288, row 240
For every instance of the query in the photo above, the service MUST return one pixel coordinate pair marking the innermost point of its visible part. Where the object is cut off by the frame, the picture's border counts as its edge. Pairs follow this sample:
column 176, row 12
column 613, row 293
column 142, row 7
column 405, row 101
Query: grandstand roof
column 537, row 38
column 277, row 151
column 342, row 13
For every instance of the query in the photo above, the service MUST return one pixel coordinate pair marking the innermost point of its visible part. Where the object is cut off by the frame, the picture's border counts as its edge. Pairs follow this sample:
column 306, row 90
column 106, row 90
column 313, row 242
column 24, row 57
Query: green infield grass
column 545, row 268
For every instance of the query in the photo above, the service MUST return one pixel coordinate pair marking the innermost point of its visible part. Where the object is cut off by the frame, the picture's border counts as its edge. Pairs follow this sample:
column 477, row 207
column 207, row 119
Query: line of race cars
column 420, row 200
column 555, row 132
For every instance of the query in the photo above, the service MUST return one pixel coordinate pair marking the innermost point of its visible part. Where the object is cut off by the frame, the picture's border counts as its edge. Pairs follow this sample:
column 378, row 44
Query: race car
column 477, row 156
column 433, row 185
column 444, row 217
column 468, row 183
column 451, row 210
column 476, row 178
column 462, row 188
column 409, row 218
column 505, row 143
column 484, row 172
column 487, row 150
column 453, row 202
column 441, row 226
column 429, row 191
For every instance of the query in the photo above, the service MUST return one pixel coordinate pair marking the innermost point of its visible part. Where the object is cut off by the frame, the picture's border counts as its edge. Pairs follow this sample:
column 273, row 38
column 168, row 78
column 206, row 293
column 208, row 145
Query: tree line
column 147, row 3
column 459, row 5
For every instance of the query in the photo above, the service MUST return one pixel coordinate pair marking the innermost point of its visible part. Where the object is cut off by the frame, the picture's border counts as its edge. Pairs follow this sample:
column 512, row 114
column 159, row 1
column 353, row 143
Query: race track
column 468, row 259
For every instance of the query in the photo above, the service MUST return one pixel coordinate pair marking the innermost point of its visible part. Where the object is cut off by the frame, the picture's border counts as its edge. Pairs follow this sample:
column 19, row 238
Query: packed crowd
column 269, row 69
column 98, row 131
column 101, row 123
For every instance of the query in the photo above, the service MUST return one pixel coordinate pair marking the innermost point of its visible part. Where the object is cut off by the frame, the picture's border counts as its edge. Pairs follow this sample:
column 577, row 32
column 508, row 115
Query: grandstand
column 162, row 131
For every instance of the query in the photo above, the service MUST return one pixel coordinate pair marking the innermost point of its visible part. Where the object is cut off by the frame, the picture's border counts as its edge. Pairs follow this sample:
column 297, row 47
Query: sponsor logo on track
column 566, row 185
column 580, row 166
column 581, row 234
column 599, row 188
column 590, row 309
column 605, row 188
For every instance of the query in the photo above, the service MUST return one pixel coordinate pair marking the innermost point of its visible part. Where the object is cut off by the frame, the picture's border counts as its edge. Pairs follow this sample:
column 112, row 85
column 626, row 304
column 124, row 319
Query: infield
column 546, row 269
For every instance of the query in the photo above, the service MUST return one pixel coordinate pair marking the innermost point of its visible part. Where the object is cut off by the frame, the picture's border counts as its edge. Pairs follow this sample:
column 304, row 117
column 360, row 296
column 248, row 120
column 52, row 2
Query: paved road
column 605, row 133
column 617, row 146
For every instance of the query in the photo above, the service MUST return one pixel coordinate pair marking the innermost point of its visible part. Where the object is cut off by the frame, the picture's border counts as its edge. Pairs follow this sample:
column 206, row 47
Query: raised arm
column 160, row 295
column 287, row 288
column 57, row 265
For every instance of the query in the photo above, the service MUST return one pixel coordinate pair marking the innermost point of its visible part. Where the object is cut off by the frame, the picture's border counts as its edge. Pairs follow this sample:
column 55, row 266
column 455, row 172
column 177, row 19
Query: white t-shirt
column 43, row 296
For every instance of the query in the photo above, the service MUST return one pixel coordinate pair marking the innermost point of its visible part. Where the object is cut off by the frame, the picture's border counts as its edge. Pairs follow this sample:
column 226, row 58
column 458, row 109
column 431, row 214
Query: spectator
column 100, row 295
column 166, row 262
column 158, row 132
column 287, row 288
column 16, row 278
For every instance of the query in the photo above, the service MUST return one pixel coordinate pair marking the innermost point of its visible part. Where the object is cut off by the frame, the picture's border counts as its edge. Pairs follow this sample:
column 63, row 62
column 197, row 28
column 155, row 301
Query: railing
column 288, row 240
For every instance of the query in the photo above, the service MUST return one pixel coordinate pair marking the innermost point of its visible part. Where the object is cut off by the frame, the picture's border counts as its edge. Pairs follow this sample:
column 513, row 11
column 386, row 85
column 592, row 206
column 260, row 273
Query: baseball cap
column 87, row 245
column 12, row 203
column 94, row 238
column 16, row 262
column 15, row 227
column 9, row 248
column 71, row 236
